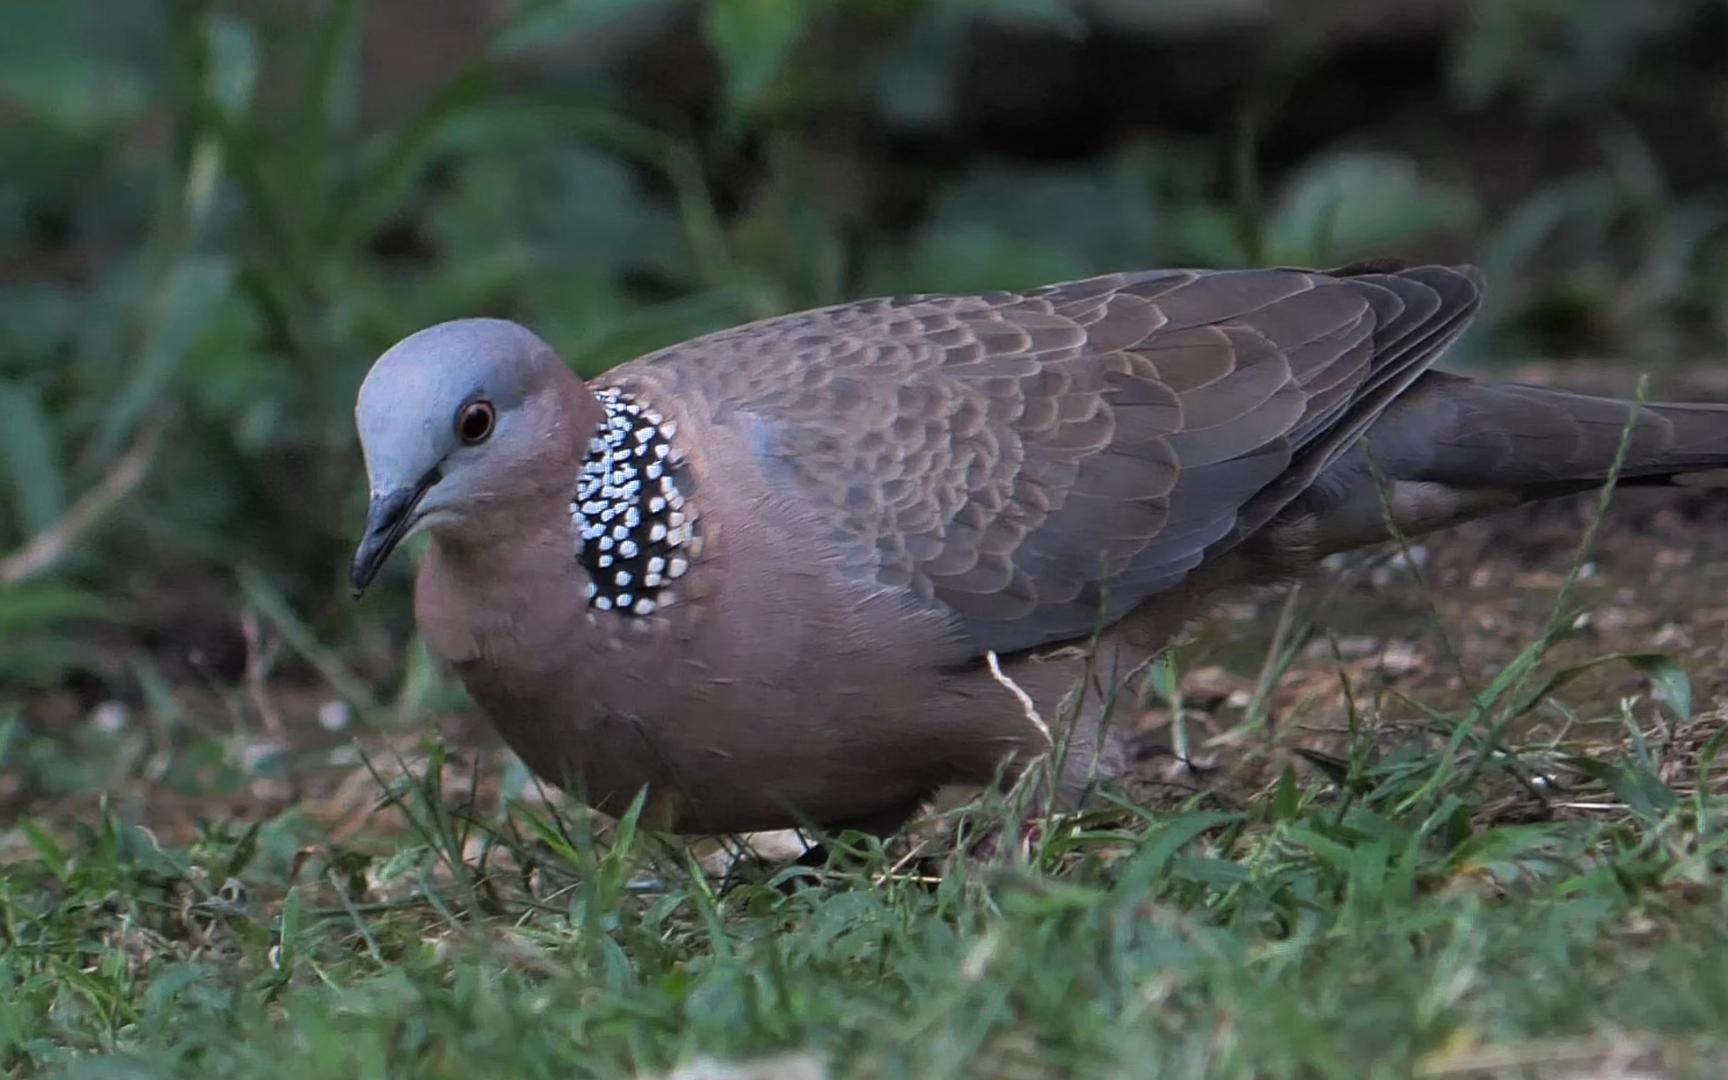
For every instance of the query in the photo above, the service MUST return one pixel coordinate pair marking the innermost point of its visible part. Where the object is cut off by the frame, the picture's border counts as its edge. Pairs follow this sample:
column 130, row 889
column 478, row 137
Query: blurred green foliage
column 213, row 216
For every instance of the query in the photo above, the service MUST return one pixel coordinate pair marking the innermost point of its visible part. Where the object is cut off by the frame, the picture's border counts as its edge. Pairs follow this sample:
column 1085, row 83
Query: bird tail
column 1451, row 448
column 1541, row 442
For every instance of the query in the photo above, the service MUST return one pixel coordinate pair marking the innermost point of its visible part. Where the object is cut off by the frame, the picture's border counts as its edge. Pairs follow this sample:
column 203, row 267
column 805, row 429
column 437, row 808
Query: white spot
column 334, row 716
column 644, row 606
column 657, row 533
column 621, row 578
column 605, row 561
column 109, row 716
column 604, row 603
column 628, row 549
column 656, row 504
column 625, row 599
column 677, row 566
column 656, row 564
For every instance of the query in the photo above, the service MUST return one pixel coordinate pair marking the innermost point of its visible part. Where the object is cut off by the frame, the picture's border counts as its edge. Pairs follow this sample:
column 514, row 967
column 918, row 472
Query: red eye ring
column 475, row 421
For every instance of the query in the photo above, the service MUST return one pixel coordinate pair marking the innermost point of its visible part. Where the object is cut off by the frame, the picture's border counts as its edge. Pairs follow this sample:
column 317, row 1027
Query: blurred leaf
column 1558, row 52
column 30, row 458
column 1002, row 227
column 1588, row 200
column 53, row 68
column 753, row 39
column 179, row 311
column 40, row 318
column 37, row 603
column 1641, row 790
column 544, row 23
column 47, row 849
column 912, row 82
column 233, row 64
column 1661, row 669
column 1670, row 681
column 1353, row 204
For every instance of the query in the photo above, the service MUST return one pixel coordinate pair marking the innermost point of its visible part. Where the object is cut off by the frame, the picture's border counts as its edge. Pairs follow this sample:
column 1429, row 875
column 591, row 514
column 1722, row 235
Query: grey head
column 456, row 421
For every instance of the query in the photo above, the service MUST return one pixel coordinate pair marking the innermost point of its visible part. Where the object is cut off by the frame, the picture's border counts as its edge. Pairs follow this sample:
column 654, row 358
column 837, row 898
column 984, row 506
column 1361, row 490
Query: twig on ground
column 49, row 546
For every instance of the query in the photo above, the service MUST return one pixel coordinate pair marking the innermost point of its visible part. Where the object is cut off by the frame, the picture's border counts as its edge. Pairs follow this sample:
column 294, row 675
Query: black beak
column 388, row 519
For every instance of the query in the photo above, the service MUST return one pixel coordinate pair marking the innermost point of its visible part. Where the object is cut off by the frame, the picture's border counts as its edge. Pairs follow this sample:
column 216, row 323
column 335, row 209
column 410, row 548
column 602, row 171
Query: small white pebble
column 110, row 716
column 335, row 715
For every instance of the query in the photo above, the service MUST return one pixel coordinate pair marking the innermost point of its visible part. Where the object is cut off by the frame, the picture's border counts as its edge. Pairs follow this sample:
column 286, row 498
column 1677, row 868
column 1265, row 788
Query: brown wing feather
column 1038, row 462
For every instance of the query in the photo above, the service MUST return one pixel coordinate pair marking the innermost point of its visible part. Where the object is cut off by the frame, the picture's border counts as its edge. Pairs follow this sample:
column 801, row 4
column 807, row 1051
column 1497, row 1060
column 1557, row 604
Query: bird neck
column 633, row 532
column 512, row 593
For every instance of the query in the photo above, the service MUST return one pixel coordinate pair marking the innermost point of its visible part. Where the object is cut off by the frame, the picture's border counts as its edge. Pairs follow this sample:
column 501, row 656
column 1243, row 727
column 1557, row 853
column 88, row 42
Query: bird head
column 457, row 423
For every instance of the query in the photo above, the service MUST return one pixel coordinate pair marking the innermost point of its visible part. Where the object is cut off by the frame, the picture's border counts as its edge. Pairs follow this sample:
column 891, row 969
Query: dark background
column 214, row 216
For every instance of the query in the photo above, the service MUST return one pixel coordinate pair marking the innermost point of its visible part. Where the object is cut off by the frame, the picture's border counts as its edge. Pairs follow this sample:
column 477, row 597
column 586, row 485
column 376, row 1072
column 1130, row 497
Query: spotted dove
column 803, row 571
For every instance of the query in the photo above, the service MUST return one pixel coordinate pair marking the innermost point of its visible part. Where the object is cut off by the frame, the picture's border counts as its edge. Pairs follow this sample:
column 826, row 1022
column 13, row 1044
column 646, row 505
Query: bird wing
column 1040, row 463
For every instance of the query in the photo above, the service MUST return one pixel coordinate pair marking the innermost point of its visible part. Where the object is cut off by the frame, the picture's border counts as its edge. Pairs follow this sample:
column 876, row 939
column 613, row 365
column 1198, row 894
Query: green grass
column 1399, row 922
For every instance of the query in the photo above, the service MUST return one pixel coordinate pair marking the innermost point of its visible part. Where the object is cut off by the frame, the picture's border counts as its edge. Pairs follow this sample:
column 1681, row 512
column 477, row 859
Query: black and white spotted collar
column 634, row 533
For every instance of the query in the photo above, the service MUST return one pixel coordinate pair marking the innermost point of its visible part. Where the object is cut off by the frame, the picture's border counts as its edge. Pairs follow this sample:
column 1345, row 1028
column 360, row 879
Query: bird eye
column 474, row 422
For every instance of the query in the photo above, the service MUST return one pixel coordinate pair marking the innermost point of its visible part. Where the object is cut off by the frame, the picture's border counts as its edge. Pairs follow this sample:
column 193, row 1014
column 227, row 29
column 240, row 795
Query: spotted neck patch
column 634, row 533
